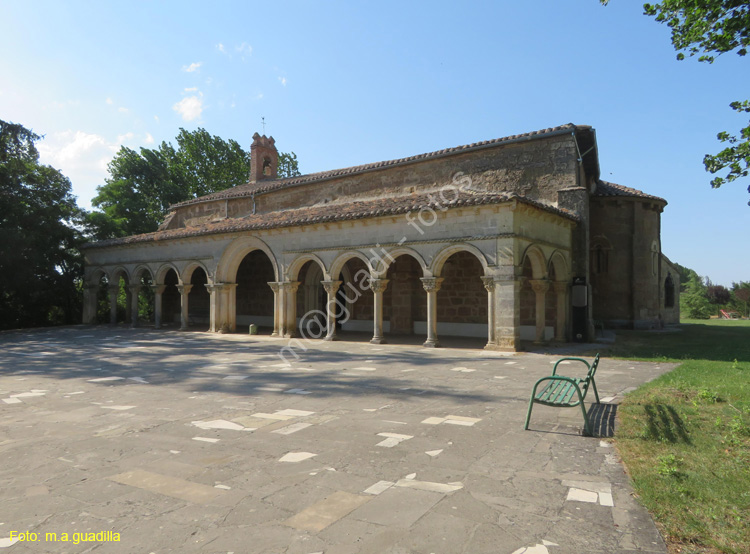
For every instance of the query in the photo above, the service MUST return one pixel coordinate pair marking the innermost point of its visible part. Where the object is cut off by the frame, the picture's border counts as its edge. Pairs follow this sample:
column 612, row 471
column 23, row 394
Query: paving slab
column 213, row 443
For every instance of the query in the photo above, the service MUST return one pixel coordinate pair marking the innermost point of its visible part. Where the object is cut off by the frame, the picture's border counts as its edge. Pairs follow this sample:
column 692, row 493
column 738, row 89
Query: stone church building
column 511, row 239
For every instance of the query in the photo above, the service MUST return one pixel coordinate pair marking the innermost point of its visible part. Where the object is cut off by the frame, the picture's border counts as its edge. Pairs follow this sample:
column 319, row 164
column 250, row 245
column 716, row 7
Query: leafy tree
column 693, row 302
column 142, row 185
column 707, row 29
column 40, row 266
column 741, row 292
column 686, row 275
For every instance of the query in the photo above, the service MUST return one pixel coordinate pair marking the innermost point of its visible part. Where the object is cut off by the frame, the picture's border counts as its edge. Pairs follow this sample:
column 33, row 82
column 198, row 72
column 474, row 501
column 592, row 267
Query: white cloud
column 282, row 80
column 82, row 157
column 192, row 67
column 149, row 138
column 244, row 49
column 220, row 47
column 259, row 96
column 122, row 110
column 109, row 101
column 189, row 108
column 191, row 89
column 156, row 118
column 122, row 139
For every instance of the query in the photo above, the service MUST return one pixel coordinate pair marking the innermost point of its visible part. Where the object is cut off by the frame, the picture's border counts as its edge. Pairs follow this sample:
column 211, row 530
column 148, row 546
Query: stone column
column 184, row 292
column 507, row 314
column 113, row 291
column 90, row 297
column 158, row 290
column 540, row 287
column 221, row 320
column 134, row 290
column 332, row 288
column 561, row 290
column 277, row 303
column 378, row 287
column 489, row 284
column 290, row 307
column 128, row 304
column 432, row 286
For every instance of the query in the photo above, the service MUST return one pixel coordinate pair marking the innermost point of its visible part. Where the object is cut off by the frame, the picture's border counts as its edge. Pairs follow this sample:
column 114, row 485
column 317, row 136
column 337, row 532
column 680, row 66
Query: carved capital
column 113, row 289
column 134, row 289
column 378, row 285
column 274, row 286
column 489, row 283
column 158, row 289
column 184, row 289
column 292, row 286
column 219, row 287
column 540, row 286
column 431, row 284
column 331, row 286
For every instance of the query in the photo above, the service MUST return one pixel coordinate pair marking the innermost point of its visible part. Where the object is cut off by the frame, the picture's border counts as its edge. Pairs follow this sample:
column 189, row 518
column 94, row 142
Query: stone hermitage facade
column 510, row 239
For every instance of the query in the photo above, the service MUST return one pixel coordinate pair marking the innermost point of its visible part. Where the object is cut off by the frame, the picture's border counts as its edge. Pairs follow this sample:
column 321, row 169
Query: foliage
column 694, row 303
column 717, row 295
column 741, row 293
column 685, row 437
column 686, row 275
column 142, row 185
column 40, row 266
column 707, row 29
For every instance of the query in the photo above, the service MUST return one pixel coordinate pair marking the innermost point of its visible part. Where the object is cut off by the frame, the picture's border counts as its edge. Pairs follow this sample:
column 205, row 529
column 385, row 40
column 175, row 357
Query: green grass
column 685, row 437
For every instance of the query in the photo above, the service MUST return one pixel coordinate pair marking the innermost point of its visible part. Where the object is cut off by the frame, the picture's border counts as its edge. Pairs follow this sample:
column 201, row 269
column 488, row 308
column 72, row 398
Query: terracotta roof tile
column 330, row 213
column 604, row 188
column 267, row 186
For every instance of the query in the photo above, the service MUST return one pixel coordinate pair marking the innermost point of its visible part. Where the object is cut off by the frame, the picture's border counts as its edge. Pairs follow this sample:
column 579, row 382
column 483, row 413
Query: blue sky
column 344, row 83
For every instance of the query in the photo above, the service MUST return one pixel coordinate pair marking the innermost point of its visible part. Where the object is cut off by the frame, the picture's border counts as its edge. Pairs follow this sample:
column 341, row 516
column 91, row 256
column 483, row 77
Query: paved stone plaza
column 201, row 442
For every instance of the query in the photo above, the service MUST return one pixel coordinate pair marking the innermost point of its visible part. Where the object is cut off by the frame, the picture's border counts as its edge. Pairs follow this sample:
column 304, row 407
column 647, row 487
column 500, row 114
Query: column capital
column 219, row 287
column 135, row 288
column 292, row 286
column 274, row 286
column 184, row 289
column 158, row 289
column 331, row 286
column 431, row 284
column 540, row 286
column 379, row 285
column 488, row 282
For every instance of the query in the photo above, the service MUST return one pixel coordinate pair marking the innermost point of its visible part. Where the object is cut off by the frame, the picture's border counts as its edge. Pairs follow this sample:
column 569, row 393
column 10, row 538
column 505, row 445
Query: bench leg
column 528, row 413
column 586, row 424
column 596, row 392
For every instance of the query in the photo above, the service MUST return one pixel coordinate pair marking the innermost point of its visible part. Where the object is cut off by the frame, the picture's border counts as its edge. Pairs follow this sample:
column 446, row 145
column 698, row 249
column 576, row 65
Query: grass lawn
column 685, row 437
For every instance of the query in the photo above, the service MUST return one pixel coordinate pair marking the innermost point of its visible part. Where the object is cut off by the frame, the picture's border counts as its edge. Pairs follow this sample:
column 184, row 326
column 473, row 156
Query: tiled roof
column 267, row 186
column 604, row 188
column 330, row 213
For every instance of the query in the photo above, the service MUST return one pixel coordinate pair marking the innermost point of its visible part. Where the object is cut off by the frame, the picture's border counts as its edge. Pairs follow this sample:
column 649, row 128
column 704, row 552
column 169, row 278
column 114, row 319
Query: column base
column 378, row 340
column 431, row 343
column 499, row 348
column 331, row 338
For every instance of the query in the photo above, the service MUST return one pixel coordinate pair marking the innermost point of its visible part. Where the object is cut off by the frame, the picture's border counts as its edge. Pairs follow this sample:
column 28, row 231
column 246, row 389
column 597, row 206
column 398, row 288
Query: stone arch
column 387, row 260
column 537, row 260
column 118, row 272
column 96, row 274
column 461, row 302
column 294, row 268
column 139, row 270
column 233, row 255
column 340, row 261
column 558, row 266
column 161, row 273
column 441, row 257
column 187, row 272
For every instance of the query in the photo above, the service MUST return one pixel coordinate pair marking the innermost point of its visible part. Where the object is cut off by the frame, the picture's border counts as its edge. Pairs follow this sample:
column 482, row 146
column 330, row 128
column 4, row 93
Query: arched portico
column 557, row 303
column 533, row 294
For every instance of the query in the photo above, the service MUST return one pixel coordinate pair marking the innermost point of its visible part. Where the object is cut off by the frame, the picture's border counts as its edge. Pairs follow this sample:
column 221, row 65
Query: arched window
column 669, row 292
column 655, row 258
column 600, row 248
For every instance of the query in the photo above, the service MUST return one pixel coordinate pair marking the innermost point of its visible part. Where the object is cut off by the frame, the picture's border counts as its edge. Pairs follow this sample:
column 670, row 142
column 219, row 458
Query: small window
column 669, row 292
column 266, row 167
column 600, row 260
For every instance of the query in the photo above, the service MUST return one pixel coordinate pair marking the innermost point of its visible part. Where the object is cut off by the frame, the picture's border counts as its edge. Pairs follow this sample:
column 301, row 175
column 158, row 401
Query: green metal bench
column 565, row 392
